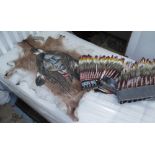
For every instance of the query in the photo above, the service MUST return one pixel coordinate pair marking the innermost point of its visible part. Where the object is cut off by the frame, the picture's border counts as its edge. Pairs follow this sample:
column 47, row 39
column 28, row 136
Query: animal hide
column 28, row 62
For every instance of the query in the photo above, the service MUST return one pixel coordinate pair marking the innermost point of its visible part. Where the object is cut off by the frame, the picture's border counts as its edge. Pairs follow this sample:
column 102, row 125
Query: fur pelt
column 28, row 62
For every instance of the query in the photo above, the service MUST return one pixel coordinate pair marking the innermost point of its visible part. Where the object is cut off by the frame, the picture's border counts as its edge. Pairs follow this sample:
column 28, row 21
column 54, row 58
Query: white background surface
column 141, row 44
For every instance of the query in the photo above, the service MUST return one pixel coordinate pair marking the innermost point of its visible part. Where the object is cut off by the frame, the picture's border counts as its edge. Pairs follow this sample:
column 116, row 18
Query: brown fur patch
column 28, row 62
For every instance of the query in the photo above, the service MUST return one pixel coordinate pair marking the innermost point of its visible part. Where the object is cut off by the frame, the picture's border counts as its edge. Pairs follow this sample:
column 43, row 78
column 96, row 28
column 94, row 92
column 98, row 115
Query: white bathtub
column 93, row 107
